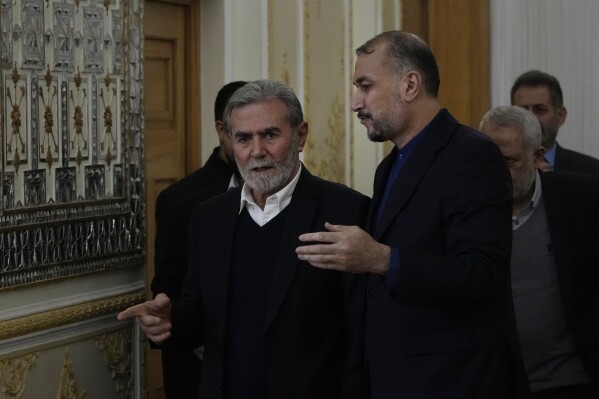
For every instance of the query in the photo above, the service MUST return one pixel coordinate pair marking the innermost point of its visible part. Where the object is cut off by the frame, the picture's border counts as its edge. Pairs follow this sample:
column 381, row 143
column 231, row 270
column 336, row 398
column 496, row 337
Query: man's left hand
column 345, row 248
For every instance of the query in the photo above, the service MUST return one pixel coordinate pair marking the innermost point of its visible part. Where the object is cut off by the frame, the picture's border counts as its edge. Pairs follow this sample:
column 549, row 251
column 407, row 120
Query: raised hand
column 346, row 248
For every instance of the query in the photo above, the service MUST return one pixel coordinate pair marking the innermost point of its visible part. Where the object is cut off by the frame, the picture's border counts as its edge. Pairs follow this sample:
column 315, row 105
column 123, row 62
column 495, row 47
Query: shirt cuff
column 392, row 278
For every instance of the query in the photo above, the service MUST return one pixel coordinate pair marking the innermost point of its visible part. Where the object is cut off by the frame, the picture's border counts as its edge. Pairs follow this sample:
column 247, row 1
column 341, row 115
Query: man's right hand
column 154, row 317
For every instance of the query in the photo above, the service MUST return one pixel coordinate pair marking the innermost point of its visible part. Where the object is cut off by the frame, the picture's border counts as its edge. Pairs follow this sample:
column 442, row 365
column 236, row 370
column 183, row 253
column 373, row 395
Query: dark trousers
column 181, row 373
column 586, row 391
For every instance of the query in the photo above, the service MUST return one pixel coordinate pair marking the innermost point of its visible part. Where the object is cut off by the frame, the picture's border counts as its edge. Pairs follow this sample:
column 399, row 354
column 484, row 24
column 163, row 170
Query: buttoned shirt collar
column 518, row 221
column 550, row 156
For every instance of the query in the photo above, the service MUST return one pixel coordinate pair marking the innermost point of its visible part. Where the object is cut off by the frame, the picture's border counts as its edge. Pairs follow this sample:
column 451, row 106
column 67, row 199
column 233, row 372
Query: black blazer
column 442, row 333
column 313, row 337
column 575, row 162
column 174, row 207
column 571, row 205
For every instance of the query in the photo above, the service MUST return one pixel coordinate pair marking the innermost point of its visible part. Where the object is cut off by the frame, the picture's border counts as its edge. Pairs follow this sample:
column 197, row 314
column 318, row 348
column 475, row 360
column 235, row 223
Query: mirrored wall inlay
column 72, row 138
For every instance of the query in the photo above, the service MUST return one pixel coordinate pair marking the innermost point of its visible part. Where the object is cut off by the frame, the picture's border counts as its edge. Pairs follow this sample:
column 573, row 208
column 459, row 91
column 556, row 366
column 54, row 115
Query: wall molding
column 21, row 326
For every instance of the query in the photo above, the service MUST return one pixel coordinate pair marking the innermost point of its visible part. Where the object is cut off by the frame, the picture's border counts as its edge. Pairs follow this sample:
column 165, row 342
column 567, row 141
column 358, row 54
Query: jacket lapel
column 380, row 179
column 404, row 186
column 438, row 133
column 300, row 214
column 562, row 160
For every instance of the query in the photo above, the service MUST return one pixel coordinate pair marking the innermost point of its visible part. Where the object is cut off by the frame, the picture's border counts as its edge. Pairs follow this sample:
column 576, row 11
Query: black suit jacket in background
column 313, row 336
column 572, row 208
column 442, row 333
column 575, row 162
column 174, row 206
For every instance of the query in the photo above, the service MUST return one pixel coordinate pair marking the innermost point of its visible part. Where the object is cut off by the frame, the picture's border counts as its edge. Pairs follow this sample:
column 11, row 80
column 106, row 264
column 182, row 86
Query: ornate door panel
column 72, row 236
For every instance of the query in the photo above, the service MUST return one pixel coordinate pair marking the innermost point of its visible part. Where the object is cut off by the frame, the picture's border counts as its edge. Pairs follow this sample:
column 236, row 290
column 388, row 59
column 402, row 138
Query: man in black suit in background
column 554, row 263
column 541, row 94
column 272, row 326
column 174, row 206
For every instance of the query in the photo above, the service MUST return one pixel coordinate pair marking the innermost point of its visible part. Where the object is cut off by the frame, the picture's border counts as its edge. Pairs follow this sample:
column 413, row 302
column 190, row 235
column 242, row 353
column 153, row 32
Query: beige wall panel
column 79, row 364
column 308, row 44
column 324, row 87
column 391, row 14
column 367, row 19
column 242, row 59
column 283, row 42
column 96, row 367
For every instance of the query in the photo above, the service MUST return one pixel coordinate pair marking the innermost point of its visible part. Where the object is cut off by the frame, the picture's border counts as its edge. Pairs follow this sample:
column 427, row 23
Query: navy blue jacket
column 441, row 333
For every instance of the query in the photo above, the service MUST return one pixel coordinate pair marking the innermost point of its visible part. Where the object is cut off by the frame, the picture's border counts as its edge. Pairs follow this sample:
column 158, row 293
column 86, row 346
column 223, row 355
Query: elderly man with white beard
column 554, row 263
column 272, row 326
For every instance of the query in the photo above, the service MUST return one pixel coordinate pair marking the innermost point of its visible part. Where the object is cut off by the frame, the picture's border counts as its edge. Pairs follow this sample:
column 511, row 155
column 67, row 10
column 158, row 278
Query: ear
column 562, row 112
column 411, row 85
column 221, row 131
column 539, row 156
column 302, row 133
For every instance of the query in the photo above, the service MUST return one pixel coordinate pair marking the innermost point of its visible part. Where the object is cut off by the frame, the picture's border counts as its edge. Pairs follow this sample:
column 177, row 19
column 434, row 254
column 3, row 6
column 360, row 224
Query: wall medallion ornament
column 116, row 348
column 13, row 374
column 68, row 387
column 71, row 141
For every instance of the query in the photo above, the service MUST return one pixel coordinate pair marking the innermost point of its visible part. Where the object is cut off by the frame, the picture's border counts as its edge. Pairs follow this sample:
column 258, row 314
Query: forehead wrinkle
column 268, row 129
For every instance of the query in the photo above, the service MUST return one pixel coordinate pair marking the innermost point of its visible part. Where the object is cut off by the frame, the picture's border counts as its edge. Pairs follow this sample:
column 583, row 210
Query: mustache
column 259, row 163
column 363, row 114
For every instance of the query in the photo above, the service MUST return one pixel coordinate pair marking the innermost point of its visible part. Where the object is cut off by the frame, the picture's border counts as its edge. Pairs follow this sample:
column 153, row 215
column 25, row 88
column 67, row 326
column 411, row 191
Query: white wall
column 559, row 37
column 231, row 37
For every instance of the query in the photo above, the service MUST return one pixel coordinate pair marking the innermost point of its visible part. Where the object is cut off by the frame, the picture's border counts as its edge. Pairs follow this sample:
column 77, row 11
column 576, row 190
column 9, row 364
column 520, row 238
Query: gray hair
column 513, row 116
column 407, row 51
column 264, row 90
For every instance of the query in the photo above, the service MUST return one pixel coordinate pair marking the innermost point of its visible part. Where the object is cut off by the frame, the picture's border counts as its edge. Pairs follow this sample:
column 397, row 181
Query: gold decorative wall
column 72, row 197
column 325, row 83
column 308, row 53
column 71, row 140
column 95, row 367
column 311, row 46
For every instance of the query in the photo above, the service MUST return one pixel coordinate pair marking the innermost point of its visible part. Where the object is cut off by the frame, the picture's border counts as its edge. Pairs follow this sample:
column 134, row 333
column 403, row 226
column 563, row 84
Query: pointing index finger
column 129, row 313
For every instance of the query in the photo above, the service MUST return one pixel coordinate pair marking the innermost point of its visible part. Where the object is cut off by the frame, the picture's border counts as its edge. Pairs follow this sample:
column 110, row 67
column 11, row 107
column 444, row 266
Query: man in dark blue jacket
column 438, row 243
